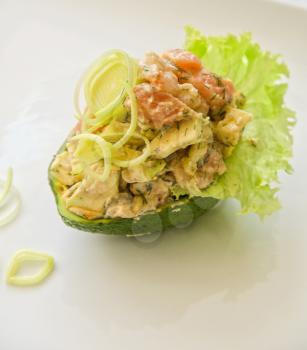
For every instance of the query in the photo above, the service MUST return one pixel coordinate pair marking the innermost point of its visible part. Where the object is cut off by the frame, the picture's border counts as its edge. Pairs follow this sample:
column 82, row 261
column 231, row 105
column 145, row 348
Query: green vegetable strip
column 104, row 116
column 103, row 113
column 138, row 160
column 105, row 148
column 93, row 98
column 7, row 189
column 93, row 69
column 13, row 213
column 26, row 255
column 102, row 61
column 7, row 186
column 133, row 122
column 76, row 97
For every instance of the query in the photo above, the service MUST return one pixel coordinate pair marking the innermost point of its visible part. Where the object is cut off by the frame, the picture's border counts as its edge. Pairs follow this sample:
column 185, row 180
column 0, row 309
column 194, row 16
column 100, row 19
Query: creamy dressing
column 193, row 122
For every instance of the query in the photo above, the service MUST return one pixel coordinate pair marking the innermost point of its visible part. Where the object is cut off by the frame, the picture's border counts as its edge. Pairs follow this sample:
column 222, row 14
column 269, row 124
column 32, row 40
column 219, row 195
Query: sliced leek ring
column 21, row 257
column 104, row 146
column 7, row 186
column 138, row 160
column 105, row 84
column 7, row 216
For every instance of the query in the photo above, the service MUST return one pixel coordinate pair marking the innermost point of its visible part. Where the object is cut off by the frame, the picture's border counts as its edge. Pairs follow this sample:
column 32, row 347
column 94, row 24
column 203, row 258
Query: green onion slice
column 7, row 186
column 134, row 120
column 27, row 255
column 12, row 214
column 104, row 86
column 7, row 216
column 138, row 160
column 106, row 151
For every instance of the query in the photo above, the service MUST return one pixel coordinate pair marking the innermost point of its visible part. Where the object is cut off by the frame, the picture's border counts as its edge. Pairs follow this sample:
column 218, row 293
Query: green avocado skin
column 178, row 214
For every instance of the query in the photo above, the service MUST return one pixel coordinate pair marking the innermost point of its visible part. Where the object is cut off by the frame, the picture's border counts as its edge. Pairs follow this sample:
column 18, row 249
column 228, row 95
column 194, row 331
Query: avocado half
column 177, row 214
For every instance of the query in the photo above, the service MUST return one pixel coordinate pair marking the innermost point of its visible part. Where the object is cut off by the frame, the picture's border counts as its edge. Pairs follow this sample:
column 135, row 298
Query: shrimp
column 184, row 60
column 189, row 95
column 158, row 108
column 159, row 73
column 215, row 91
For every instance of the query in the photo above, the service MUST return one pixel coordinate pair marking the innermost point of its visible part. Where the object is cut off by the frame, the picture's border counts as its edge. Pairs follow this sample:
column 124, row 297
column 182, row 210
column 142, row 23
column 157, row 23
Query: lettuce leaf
column 266, row 144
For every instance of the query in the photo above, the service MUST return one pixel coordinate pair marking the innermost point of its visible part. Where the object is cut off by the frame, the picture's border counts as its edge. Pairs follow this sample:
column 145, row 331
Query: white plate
column 226, row 283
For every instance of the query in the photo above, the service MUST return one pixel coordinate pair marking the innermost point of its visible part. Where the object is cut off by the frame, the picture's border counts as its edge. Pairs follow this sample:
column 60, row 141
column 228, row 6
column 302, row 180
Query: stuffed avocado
column 154, row 136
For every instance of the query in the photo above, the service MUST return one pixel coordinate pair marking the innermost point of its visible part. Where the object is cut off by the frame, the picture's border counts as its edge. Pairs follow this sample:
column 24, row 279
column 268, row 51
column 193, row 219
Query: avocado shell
column 176, row 214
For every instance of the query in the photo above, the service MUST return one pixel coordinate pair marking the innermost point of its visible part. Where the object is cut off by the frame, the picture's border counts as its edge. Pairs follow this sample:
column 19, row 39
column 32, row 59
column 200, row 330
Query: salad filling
column 151, row 131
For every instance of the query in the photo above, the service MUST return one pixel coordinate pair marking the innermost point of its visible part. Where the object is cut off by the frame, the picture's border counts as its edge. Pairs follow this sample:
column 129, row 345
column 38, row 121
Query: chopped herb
column 127, row 117
column 185, row 113
column 200, row 163
column 165, row 128
column 222, row 114
column 214, row 96
column 183, row 79
column 252, row 142
column 148, row 186
column 144, row 198
column 139, row 191
column 219, row 80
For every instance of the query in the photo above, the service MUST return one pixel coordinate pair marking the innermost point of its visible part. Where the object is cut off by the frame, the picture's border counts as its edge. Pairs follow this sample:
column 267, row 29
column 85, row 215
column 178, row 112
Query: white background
column 227, row 282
